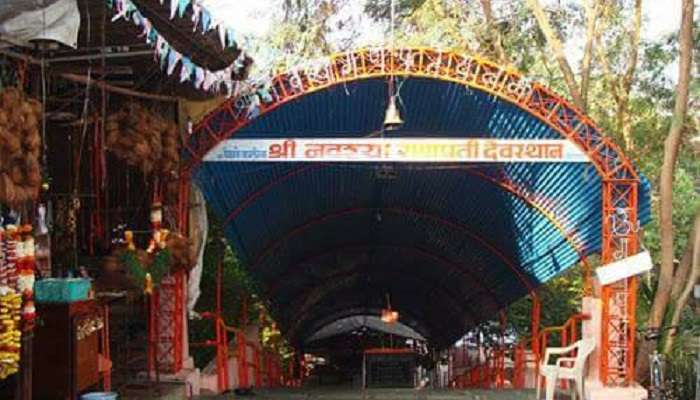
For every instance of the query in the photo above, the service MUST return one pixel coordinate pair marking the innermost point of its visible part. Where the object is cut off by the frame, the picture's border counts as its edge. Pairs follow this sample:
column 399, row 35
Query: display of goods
column 3, row 263
column 9, row 247
column 20, row 146
column 144, row 140
column 10, row 333
column 26, row 266
column 18, row 265
column 68, row 290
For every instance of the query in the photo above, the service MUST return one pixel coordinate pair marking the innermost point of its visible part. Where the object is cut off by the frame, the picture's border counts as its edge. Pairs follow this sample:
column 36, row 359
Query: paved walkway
column 384, row 394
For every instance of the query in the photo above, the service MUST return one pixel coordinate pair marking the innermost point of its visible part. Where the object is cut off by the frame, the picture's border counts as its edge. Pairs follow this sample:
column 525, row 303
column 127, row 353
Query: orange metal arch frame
column 309, row 300
column 287, row 272
column 501, row 181
column 401, row 211
column 619, row 178
column 292, row 269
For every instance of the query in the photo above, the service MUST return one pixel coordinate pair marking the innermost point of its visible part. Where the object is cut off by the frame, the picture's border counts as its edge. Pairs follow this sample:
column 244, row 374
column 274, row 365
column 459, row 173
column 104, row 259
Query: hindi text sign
column 471, row 150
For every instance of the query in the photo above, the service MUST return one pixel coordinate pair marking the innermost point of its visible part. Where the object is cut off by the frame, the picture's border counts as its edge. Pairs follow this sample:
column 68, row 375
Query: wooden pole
column 115, row 89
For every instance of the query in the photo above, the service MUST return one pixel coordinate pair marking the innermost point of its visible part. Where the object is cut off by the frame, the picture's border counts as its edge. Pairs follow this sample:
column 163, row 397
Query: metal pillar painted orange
column 242, row 350
column 166, row 303
column 221, row 335
column 167, row 324
column 256, row 366
column 620, row 228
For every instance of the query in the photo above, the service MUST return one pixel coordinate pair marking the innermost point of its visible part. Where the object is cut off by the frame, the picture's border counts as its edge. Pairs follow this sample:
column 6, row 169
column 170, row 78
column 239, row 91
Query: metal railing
column 265, row 365
column 492, row 372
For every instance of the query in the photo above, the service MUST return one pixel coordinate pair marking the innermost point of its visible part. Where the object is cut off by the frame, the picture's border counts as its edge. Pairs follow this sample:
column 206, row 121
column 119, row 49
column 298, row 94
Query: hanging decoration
column 141, row 264
column 145, row 140
column 17, row 311
column 170, row 59
column 26, row 266
column 389, row 316
column 10, row 333
column 203, row 19
column 20, row 146
column 167, row 252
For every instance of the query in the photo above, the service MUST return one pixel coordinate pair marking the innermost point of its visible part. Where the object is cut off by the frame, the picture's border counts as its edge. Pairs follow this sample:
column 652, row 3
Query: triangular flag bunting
column 206, row 20
column 182, row 7
column 169, row 58
column 173, row 58
column 173, row 8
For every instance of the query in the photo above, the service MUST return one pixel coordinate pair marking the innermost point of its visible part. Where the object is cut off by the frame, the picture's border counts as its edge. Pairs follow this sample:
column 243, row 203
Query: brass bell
column 392, row 119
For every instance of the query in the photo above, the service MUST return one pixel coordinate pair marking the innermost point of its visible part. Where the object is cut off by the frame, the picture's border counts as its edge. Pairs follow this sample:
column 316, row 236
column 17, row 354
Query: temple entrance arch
column 540, row 217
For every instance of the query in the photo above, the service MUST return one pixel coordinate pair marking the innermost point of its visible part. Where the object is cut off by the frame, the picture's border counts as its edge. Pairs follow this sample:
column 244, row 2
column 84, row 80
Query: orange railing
column 569, row 332
column 490, row 371
column 266, row 366
column 487, row 373
column 269, row 365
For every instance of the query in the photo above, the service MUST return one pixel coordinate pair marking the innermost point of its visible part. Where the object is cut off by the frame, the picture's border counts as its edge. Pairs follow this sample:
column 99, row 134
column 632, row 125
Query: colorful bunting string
column 169, row 58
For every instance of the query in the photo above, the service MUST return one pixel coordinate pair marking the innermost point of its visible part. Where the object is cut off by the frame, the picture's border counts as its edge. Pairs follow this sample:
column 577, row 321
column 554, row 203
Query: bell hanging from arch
column 392, row 119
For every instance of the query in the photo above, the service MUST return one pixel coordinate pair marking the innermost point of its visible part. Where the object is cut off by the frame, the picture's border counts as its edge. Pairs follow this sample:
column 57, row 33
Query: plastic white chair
column 568, row 368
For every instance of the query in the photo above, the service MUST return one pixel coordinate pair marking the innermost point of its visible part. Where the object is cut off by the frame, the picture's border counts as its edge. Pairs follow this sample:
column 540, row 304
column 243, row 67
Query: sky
column 254, row 17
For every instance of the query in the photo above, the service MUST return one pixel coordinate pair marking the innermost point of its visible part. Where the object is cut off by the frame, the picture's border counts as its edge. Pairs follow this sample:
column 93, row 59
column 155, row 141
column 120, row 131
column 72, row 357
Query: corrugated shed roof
column 449, row 243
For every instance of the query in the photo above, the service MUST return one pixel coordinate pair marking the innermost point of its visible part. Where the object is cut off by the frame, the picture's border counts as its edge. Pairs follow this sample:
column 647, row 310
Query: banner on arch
column 413, row 150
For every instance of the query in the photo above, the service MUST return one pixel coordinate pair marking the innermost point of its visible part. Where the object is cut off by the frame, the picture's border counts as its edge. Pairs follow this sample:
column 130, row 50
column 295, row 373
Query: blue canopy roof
column 452, row 244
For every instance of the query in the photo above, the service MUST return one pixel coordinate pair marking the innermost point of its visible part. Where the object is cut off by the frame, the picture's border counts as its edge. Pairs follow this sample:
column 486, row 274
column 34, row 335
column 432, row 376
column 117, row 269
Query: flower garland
column 157, row 269
column 169, row 58
column 17, row 312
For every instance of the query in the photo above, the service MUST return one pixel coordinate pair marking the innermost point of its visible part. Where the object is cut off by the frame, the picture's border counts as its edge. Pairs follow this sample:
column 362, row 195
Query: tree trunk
column 558, row 49
column 494, row 32
column 626, row 121
column 591, row 18
column 690, row 280
column 634, row 47
column 628, row 77
column 682, row 270
column 671, row 146
column 624, row 125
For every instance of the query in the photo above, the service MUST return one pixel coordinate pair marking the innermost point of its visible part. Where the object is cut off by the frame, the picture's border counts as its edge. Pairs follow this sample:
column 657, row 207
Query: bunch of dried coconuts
column 181, row 252
column 144, row 140
column 20, row 147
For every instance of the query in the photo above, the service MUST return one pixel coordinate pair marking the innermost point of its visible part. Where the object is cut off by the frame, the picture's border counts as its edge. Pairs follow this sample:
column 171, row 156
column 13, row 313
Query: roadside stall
column 95, row 249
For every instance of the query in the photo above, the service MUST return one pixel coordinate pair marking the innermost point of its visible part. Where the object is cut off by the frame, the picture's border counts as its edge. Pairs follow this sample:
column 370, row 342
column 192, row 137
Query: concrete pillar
column 592, row 328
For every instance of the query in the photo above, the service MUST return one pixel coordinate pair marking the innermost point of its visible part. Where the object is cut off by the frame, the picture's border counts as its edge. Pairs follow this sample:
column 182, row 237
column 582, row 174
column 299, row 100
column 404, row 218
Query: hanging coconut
column 20, row 143
column 144, row 140
column 181, row 252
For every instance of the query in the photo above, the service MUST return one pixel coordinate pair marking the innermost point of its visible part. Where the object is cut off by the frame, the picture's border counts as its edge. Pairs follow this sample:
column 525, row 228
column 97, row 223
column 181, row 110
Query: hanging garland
column 169, row 58
column 167, row 252
column 138, row 271
column 17, row 312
